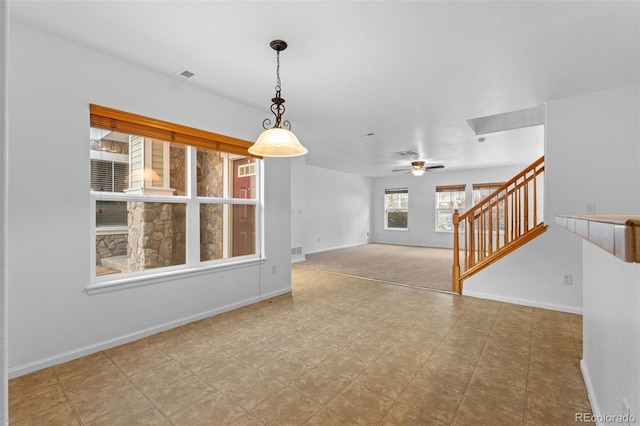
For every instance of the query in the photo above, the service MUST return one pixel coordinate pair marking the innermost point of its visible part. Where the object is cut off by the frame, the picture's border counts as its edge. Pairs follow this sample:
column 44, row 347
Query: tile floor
column 337, row 351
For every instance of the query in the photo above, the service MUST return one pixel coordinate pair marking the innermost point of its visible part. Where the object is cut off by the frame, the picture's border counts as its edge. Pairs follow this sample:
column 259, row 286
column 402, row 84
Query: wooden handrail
column 502, row 222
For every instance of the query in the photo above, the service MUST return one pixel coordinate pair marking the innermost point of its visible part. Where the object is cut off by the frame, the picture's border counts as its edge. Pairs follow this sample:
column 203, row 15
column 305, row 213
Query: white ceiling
column 412, row 73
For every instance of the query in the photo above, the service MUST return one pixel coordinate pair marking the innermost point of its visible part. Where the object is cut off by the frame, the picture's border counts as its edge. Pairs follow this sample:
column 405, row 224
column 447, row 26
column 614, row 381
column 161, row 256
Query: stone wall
column 210, row 170
column 110, row 245
column 151, row 235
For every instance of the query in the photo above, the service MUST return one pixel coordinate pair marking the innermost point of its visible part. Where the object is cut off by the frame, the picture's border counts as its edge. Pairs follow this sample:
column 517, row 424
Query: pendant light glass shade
column 277, row 142
column 417, row 172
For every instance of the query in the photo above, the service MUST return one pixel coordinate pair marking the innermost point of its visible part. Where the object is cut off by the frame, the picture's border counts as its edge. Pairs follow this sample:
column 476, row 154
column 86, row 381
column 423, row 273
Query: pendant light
column 278, row 141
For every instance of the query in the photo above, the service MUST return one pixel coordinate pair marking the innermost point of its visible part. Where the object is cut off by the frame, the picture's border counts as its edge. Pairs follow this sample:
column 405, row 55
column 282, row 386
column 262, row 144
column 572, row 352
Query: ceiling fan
column 418, row 168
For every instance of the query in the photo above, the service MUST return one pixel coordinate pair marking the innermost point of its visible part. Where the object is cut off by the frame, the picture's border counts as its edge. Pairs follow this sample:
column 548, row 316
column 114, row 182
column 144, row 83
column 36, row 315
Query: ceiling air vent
column 406, row 153
column 187, row 74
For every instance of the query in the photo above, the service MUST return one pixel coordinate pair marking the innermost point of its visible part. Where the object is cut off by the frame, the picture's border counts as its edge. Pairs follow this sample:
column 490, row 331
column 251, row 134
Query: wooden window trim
column 126, row 122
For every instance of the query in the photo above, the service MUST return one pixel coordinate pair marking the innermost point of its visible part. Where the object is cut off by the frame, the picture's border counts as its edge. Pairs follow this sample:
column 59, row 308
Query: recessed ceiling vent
column 406, row 153
column 187, row 74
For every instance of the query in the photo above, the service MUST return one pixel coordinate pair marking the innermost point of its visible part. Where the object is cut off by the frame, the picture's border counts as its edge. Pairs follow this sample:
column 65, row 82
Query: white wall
column 611, row 361
column 298, row 206
column 338, row 209
column 591, row 156
column 422, row 203
column 51, row 318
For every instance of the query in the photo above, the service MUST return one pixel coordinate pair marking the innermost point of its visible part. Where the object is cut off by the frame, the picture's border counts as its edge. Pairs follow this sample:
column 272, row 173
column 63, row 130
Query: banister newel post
column 456, row 253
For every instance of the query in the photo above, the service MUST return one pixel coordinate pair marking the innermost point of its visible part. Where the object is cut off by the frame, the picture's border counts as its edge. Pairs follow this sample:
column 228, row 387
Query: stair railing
column 505, row 220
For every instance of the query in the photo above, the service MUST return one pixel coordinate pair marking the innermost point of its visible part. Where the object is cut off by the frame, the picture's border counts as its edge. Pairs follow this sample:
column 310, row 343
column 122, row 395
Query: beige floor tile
column 346, row 364
column 31, row 381
column 62, row 415
column 250, row 390
column 320, row 384
column 495, row 395
column 571, row 392
column 315, row 352
column 225, row 373
column 287, row 407
column 258, row 355
column 157, row 378
column 38, row 401
column 327, row 417
column 435, row 400
column 360, row 405
column 503, row 372
column 383, row 380
column 105, row 401
column 473, row 413
column 338, row 350
column 214, row 409
column 405, row 362
column 201, row 358
column 133, row 412
column 543, row 410
column 286, row 368
column 93, row 364
column 181, row 394
column 401, row 415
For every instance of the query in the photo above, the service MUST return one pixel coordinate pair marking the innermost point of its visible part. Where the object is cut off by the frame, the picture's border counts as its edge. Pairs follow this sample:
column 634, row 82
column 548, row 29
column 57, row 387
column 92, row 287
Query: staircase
column 507, row 219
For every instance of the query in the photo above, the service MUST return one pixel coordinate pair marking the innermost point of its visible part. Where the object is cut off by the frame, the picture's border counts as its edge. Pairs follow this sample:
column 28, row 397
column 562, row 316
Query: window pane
column 154, row 237
column 444, row 220
column 135, row 164
column 235, row 238
column 210, row 172
column 243, row 184
column 397, row 219
column 111, row 213
column 450, row 199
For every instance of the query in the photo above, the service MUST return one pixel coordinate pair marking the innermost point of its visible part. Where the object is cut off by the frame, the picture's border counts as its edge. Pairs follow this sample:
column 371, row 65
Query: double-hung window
column 166, row 197
column 448, row 199
column 396, row 209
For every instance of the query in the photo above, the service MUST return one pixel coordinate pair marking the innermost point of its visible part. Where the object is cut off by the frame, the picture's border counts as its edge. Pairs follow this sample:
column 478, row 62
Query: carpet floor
column 425, row 267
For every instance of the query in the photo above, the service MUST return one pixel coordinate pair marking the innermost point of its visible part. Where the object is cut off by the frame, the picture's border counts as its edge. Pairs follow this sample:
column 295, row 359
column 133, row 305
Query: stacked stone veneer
column 152, row 232
column 210, row 169
column 110, row 245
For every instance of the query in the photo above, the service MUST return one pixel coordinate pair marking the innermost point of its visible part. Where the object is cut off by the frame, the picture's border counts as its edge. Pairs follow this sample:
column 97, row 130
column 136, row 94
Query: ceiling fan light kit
column 278, row 141
column 418, row 168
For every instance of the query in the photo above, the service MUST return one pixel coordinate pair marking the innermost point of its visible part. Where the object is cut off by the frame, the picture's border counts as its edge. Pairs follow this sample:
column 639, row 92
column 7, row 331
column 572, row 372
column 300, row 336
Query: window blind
column 450, row 188
column 492, row 185
column 126, row 122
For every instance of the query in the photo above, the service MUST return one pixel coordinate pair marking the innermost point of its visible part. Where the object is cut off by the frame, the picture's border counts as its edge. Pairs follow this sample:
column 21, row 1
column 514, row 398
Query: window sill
column 397, row 229
column 140, row 281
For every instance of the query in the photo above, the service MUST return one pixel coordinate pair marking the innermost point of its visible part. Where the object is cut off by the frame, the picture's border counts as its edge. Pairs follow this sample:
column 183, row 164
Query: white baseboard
column 524, row 302
column 337, row 248
column 90, row 349
column 298, row 258
column 590, row 392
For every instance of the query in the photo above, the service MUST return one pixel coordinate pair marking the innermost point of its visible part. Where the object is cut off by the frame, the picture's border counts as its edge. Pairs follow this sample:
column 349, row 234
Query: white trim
column 524, row 302
column 590, row 391
column 148, row 278
column 336, row 248
column 87, row 350
column 297, row 258
column 4, row 211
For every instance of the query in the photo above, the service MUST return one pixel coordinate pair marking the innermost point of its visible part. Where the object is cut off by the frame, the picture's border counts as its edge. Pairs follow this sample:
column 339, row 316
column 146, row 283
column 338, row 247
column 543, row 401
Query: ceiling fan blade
column 401, row 170
column 439, row 166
